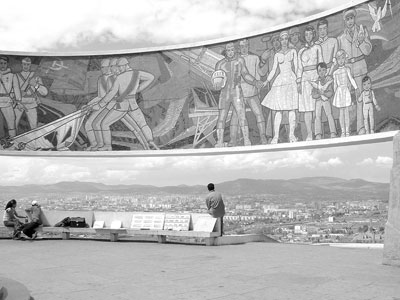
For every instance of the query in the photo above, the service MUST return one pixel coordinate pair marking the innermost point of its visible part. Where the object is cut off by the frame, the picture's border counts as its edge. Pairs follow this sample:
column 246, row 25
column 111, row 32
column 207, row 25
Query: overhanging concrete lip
column 303, row 145
column 192, row 44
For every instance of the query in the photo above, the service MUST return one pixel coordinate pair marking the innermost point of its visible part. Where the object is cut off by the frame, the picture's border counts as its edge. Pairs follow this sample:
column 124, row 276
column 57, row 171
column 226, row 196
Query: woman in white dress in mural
column 283, row 95
column 309, row 57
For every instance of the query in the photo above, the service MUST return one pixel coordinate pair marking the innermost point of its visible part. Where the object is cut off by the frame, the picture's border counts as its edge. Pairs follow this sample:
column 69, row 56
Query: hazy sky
column 68, row 26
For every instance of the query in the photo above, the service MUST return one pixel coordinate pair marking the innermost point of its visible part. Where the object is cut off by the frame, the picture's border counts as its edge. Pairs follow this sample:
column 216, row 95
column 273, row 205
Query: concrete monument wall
column 331, row 77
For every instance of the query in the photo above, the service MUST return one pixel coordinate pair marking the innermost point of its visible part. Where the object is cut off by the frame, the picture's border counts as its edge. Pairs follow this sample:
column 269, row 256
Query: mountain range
column 299, row 188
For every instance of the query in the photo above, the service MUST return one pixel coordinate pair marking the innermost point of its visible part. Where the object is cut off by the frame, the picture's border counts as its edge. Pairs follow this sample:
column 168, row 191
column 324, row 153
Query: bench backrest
column 52, row 217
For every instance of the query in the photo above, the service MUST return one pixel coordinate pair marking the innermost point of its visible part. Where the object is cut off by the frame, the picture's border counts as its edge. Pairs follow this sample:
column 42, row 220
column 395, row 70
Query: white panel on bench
column 204, row 223
column 177, row 222
column 98, row 224
column 116, row 224
column 148, row 221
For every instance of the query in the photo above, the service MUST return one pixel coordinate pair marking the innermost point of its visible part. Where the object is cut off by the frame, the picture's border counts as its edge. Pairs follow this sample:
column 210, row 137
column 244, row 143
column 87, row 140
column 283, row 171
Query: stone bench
column 50, row 218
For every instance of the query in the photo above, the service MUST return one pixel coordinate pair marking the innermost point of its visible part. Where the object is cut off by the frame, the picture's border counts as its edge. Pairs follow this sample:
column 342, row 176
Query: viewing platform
column 89, row 269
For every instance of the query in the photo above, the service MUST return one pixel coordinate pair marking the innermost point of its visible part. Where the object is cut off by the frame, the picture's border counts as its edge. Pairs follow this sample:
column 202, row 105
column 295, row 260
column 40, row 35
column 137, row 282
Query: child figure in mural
column 322, row 93
column 343, row 80
column 309, row 57
column 283, row 95
column 367, row 98
column 232, row 68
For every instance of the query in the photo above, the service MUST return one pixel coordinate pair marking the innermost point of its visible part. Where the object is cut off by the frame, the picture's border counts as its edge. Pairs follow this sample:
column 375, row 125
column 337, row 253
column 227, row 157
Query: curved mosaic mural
column 332, row 77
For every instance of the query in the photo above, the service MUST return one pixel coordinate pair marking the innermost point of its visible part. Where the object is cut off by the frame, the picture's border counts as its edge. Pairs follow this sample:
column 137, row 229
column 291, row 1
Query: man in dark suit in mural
column 120, row 101
column 356, row 43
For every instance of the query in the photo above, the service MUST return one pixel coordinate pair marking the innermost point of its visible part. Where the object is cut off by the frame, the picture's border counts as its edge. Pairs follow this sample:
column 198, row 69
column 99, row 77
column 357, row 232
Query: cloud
column 384, row 161
column 332, row 162
column 77, row 24
column 380, row 161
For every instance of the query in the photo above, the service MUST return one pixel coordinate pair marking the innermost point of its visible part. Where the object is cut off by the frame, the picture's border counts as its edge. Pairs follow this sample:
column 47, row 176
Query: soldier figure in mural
column 309, row 57
column 250, row 94
column 95, row 136
column 356, row 43
column 10, row 95
column 232, row 68
column 120, row 101
column 31, row 85
column 283, row 95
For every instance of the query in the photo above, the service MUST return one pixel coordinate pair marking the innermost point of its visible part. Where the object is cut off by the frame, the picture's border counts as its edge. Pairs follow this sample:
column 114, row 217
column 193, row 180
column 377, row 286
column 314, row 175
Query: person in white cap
column 32, row 87
column 103, row 86
column 356, row 43
column 29, row 229
column 120, row 102
column 10, row 95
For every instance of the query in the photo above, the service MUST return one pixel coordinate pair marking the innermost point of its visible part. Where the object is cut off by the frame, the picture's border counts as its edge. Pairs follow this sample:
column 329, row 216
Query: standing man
column 31, row 86
column 250, row 94
column 356, row 43
column 234, row 68
column 329, row 47
column 215, row 204
column 126, row 85
column 10, row 95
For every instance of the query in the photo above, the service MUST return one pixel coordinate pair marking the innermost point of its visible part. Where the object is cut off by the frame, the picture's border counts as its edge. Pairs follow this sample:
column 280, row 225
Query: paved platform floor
column 81, row 270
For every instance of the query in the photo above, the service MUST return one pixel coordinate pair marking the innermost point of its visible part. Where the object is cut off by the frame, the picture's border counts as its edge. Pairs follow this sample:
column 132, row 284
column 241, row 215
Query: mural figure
column 367, row 97
column 356, row 43
column 322, row 93
column 283, row 95
column 31, row 86
column 309, row 57
column 342, row 99
column 295, row 38
column 126, row 85
column 250, row 94
column 10, row 95
column 328, row 78
column 266, row 64
column 94, row 135
column 234, row 68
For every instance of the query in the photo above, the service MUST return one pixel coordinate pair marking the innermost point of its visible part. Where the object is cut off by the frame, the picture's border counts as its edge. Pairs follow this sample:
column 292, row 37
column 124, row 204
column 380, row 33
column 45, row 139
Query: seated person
column 29, row 229
column 10, row 217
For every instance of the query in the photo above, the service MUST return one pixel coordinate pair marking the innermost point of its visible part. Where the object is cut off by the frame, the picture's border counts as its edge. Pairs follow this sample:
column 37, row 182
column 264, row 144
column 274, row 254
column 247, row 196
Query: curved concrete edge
column 303, row 145
column 194, row 44
column 352, row 245
column 242, row 239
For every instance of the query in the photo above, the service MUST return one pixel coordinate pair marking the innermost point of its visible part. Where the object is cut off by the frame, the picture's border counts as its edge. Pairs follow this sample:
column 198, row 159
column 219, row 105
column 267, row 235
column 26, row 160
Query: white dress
column 283, row 94
column 342, row 79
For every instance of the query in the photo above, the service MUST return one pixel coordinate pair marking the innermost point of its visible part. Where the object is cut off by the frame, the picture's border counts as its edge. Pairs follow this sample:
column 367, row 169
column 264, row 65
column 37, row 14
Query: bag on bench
column 77, row 222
